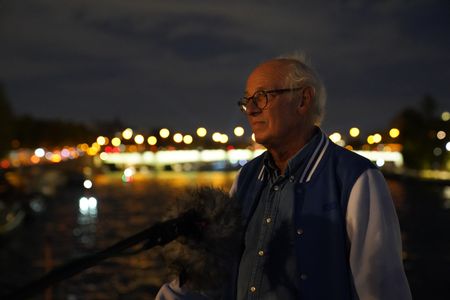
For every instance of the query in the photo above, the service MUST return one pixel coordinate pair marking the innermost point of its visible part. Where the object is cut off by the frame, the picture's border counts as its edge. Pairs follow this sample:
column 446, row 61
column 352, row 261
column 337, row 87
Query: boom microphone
column 205, row 259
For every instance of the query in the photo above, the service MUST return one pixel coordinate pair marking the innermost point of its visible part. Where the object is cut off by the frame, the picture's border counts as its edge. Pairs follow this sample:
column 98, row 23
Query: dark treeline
column 418, row 135
column 29, row 132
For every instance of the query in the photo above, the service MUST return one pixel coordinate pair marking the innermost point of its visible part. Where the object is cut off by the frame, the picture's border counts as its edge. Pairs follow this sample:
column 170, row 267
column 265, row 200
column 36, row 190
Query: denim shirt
column 268, row 268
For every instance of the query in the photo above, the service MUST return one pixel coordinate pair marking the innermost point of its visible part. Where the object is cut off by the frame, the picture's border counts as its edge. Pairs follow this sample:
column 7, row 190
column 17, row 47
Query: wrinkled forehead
column 269, row 75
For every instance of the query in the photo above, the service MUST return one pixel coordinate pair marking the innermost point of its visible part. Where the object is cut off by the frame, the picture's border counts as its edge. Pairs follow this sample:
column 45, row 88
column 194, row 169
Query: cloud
column 187, row 60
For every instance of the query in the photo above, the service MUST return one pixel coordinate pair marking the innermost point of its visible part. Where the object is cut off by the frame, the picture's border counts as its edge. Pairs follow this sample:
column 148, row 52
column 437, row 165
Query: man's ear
column 306, row 96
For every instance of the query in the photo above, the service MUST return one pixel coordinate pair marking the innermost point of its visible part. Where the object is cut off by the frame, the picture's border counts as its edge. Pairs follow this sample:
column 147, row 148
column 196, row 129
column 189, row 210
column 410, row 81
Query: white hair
column 302, row 73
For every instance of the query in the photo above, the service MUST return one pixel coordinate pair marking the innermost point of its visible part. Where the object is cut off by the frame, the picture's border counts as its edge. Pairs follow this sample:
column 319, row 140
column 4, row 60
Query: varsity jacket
column 348, row 243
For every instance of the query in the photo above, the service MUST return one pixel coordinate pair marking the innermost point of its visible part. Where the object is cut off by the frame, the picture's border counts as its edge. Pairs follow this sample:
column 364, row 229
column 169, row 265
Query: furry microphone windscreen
column 204, row 260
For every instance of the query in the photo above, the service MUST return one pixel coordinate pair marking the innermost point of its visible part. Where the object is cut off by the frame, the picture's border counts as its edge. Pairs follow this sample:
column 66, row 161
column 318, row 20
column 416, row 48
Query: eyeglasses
column 260, row 98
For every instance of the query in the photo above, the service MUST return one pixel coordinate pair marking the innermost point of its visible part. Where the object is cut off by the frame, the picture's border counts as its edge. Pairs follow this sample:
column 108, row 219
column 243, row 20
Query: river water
column 73, row 226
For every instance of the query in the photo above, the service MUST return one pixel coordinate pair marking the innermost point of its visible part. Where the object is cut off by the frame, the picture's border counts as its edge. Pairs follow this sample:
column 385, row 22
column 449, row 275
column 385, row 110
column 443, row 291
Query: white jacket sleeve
column 375, row 241
column 172, row 291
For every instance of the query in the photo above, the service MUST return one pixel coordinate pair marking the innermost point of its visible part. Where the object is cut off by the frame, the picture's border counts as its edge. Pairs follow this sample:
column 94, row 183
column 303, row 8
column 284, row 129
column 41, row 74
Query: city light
column 217, row 136
column 139, row 139
column 56, row 158
column 441, row 135
column 127, row 133
column 65, row 153
column 95, row 146
column 164, row 133
column 84, row 147
column 380, row 162
column 187, row 139
column 223, row 138
column 34, row 159
column 201, row 132
column 177, row 137
column 394, row 133
column 354, row 132
column 152, row 140
column 87, row 206
column 103, row 156
column 377, row 138
column 445, row 116
column 128, row 172
column 39, row 152
column 370, row 140
column 447, row 146
column 253, row 137
column 335, row 137
column 238, row 131
column 87, row 184
column 116, row 142
column 437, row 151
column 92, row 151
column 101, row 140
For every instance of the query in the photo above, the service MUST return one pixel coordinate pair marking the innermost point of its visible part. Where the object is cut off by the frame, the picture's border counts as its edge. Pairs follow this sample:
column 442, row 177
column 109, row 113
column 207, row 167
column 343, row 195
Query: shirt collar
column 297, row 161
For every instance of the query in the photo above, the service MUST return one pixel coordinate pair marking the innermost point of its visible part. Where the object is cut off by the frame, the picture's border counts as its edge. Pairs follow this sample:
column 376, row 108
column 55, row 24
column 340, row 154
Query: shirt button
column 260, row 253
column 276, row 188
column 303, row 276
column 291, row 179
column 252, row 289
column 299, row 231
column 268, row 220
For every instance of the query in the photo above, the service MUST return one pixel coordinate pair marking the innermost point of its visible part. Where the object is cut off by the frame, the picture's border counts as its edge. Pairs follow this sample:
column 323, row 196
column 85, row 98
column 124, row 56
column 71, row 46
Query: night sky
column 183, row 64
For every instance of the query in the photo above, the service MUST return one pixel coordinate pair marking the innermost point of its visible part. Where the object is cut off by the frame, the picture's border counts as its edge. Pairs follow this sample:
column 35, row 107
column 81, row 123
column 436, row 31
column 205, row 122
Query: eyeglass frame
column 245, row 100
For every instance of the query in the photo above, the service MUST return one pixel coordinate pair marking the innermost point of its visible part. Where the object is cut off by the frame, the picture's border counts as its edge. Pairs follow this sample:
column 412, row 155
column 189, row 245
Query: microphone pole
column 157, row 235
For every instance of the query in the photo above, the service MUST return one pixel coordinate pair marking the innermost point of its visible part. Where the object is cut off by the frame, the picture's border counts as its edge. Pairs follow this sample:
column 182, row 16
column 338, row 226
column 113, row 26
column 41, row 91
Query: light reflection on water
column 446, row 196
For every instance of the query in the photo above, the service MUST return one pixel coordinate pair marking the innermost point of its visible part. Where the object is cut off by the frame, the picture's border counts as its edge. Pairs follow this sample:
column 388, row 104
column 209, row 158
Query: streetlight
column 164, row 133
column 152, row 140
column 223, row 138
column 354, row 132
column 127, row 133
column 187, row 139
column 216, row 136
column 177, row 137
column 238, row 131
column 116, row 142
column 139, row 139
column 201, row 131
column 394, row 133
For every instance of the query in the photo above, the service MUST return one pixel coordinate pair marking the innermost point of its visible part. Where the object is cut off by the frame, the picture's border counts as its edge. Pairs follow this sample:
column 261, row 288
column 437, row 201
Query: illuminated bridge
column 217, row 158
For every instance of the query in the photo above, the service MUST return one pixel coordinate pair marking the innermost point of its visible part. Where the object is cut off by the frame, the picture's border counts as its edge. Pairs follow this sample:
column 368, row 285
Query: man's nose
column 252, row 109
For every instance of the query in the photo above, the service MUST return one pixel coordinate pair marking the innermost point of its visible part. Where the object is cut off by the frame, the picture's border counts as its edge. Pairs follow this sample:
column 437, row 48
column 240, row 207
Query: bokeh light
column 239, row 131
column 139, row 139
column 394, row 133
column 216, row 136
column 201, row 131
column 223, row 138
column 177, row 137
column 335, row 137
column 164, row 133
column 354, row 132
column 187, row 139
column 152, row 140
column 377, row 138
column 116, row 142
column 127, row 133
column 441, row 135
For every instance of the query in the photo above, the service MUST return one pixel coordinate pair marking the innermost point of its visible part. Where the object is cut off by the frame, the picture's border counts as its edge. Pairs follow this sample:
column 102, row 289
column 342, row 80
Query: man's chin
column 261, row 139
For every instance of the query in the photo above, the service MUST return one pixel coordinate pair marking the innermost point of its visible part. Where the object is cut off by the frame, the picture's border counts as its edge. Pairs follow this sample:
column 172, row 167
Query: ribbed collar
column 297, row 162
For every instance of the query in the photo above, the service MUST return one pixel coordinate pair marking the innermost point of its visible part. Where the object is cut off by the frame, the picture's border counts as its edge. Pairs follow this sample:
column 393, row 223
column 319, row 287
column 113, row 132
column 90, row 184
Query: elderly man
column 319, row 220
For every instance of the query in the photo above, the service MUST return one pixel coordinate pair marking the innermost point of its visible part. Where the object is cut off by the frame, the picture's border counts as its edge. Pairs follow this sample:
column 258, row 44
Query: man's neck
column 282, row 153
